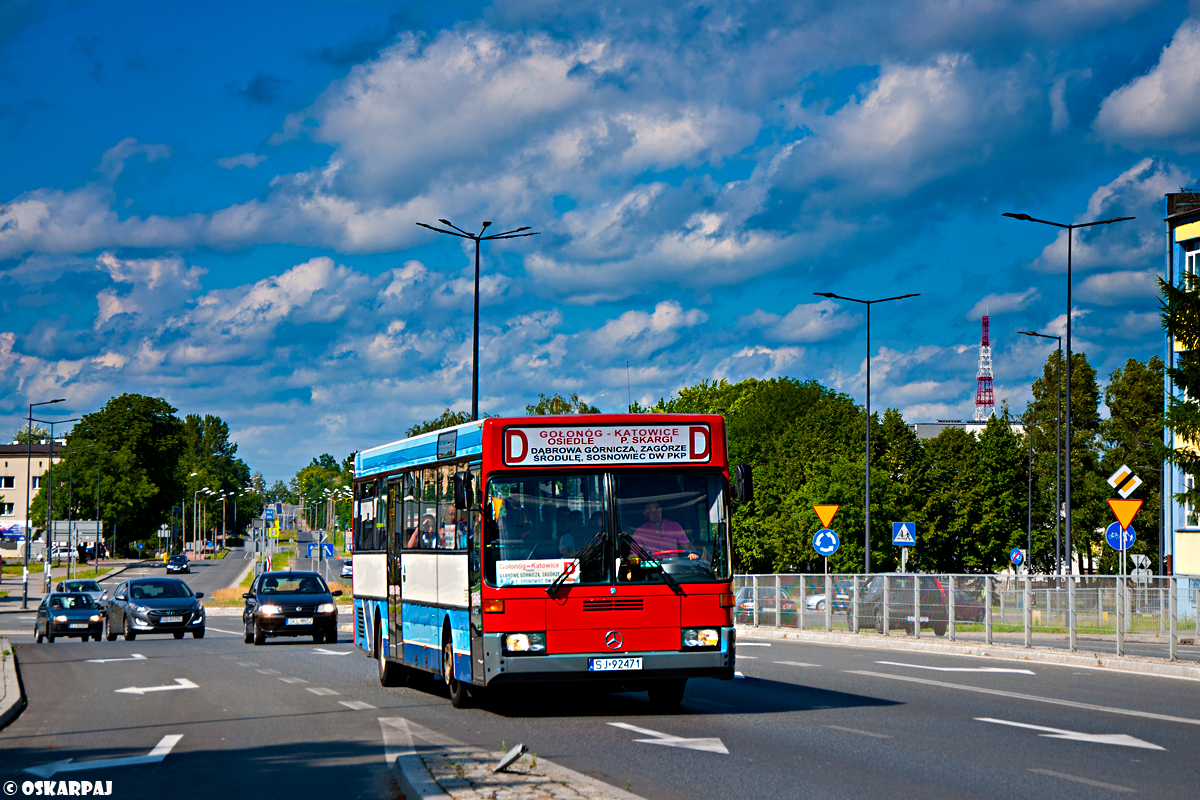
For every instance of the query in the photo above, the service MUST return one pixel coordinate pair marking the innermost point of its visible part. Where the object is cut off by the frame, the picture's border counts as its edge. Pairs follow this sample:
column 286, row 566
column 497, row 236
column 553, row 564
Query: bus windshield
column 539, row 524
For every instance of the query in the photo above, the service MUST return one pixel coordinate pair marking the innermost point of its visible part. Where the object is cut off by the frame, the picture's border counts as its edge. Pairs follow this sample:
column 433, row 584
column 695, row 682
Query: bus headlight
column 701, row 637
column 525, row 643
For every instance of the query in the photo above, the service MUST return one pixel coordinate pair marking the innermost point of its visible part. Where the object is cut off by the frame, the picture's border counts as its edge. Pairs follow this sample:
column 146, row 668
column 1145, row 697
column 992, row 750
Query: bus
column 533, row 549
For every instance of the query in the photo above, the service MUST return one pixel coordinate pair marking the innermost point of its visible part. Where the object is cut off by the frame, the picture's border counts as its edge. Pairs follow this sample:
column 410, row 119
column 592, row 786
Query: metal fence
column 1031, row 610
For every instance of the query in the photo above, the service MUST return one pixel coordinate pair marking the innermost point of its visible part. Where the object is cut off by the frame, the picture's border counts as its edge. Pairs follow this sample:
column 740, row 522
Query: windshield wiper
column 646, row 556
column 562, row 577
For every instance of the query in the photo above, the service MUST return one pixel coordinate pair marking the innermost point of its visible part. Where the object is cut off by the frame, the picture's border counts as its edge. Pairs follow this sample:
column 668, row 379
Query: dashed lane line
column 958, row 669
column 293, row 680
column 322, row 691
column 862, row 733
column 796, row 663
column 356, row 705
column 1086, row 781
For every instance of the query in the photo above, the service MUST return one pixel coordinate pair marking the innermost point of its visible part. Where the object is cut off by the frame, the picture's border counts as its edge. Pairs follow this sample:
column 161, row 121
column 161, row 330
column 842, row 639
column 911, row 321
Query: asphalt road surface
column 296, row 719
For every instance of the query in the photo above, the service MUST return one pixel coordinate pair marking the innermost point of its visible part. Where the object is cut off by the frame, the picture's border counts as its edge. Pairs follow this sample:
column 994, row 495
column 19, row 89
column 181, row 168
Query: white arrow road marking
column 1074, row 736
column 797, row 663
column 1032, row 697
column 324, row 652
column 958, row 669
column 708, row 744
column 180, row 683
column 132, row 657
column 157, row 754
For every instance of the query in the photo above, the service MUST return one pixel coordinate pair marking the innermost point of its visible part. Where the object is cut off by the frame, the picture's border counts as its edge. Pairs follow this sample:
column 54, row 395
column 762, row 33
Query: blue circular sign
column 826, row 542
column 1120, row 539
column 1016, row 556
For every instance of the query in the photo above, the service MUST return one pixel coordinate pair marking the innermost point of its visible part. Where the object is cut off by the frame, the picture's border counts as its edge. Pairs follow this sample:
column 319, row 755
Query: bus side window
column 427, row 535
column 411, row 517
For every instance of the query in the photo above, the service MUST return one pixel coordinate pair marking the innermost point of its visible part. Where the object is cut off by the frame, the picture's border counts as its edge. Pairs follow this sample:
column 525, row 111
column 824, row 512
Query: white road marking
column 796, row 663
column 132, row 657
column 267, row 671
column 1121, row 739
column 322, row 691
column 157, row 754
column 222, row 630
column 356, row 705
column 1032, row 697
column 738, row 674
column 293, row 680
column 398, row 736
column 247, row 663
column 753, row 644
column 958, row 669
column 856, row 730
column 1086, row 781
column 706, row 744
column 324, row 652
column 180, row 683
column 751, row 658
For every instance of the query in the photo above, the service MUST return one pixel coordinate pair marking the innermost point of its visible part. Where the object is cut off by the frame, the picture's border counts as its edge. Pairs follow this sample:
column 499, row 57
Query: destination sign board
column 527, row 446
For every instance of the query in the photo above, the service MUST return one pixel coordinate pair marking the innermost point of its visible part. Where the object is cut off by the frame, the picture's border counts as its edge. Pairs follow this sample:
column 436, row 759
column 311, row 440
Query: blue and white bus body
column 410, row 616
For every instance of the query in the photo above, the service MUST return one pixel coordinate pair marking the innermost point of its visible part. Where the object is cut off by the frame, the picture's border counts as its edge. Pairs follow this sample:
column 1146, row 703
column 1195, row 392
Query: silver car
column 88, row 587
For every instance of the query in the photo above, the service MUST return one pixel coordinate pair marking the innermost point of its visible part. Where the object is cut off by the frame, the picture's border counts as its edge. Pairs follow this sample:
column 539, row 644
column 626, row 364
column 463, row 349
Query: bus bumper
column 656, row 665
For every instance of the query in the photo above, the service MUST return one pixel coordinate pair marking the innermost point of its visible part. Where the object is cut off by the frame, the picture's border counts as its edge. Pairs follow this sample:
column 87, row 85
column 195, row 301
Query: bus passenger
column 657, row 535
column 426, row 535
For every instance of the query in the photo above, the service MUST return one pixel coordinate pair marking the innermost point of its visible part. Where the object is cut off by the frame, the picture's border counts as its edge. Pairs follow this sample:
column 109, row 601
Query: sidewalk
column 441, row 768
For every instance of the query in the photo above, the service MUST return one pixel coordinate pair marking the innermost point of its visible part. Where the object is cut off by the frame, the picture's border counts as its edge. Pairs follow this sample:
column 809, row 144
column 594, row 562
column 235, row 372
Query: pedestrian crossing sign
column 904, row 534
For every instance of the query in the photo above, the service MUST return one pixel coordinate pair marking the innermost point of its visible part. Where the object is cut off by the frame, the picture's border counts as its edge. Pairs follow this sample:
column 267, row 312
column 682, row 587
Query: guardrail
column 978, row 607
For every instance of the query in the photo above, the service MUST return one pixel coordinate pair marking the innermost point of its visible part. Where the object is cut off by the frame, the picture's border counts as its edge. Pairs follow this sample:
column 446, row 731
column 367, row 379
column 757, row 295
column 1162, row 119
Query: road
column 819, row 721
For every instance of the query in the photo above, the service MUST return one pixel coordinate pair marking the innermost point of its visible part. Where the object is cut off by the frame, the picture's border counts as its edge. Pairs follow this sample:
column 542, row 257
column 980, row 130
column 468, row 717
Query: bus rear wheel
column 389, row 673
column 667, row 695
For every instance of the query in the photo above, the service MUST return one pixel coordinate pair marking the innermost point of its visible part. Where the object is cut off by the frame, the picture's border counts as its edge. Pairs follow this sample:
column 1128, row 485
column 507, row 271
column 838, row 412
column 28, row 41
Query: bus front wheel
column 668, row 694
column 459, row 697
column 389, row 673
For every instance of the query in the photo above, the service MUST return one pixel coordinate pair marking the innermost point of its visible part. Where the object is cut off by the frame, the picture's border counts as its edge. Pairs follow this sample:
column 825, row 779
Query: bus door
column 403, row 495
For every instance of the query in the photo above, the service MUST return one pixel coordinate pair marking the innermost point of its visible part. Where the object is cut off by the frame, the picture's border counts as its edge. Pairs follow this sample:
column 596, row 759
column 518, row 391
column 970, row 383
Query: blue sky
column 216, row 202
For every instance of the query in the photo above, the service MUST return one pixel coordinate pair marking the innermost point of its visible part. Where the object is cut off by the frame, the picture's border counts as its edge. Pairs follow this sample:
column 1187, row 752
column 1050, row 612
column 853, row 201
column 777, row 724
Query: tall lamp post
column 1057, row 444
column 50, row 500
column 867, row 493
column 477, row 238
column 29, row 494
column 1070, row 229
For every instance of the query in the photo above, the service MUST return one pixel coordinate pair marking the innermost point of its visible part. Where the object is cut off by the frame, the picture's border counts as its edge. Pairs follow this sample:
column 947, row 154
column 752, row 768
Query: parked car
column 67, row 614
column 842, row 594
column 154, row 605
column 88, row 587
column 967, row 608
column 934, row 606
column 347, row 569
column 178, row 563
column 744, row 601
column 290, row 604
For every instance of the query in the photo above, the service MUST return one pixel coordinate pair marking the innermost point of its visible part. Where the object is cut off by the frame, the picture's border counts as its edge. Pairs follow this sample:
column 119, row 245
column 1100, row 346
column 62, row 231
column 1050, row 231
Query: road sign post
column 904, row 534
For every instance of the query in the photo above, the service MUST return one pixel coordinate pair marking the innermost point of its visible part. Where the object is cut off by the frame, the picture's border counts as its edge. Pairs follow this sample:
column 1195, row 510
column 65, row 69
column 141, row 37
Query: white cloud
column 247, row 160
column 638, row 334
column 1003, row 303
column 1162, row 107
column 157, row 287
column 807, row 322
column 112, row 163
column 1117, row 288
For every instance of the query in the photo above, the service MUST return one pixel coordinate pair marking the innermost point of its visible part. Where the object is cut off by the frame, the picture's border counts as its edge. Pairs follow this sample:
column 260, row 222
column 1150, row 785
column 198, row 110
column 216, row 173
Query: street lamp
column 1057, row 445
column 477, row 238
column 29, row 493
column 867, row 498
column 50, row 500
column 1070, row 229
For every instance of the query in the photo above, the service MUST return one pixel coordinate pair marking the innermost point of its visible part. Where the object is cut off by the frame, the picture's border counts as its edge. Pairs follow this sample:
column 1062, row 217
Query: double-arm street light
column 1070, row 229
column 477, row 238
column 29, row 494
column 1057, row 445
column 867, row 493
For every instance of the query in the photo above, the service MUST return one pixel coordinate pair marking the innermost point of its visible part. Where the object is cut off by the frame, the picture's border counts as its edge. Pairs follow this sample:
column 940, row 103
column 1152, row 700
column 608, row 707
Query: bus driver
column 657, row 534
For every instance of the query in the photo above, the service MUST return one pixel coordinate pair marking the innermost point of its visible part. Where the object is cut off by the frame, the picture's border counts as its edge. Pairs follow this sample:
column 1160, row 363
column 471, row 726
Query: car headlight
column 61, row 618
column 94, row 618
column 701, row 637
column 269, row 608
column 525, row 643
column 326, row 608
column 139, row 609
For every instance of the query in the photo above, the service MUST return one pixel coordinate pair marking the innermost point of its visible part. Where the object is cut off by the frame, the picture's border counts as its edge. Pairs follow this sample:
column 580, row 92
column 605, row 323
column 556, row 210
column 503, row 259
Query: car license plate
column 170, row 619
column 300, row 621
column 910, row 619
column 613, row 664
column 78, row 625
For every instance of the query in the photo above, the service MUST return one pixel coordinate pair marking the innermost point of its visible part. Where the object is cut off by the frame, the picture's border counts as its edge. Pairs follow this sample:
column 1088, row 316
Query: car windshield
column 178, row 559
column 71, row 601
column 156, row 590
column 293, row 584
column 537, row 524
column 81, row 586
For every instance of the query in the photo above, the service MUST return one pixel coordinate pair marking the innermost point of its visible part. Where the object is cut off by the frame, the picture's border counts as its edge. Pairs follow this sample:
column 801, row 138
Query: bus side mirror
column 464, row 493
column 743, row 489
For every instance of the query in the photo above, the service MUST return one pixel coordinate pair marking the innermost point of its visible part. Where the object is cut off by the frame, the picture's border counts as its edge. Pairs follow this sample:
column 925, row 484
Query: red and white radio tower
column 985, row 402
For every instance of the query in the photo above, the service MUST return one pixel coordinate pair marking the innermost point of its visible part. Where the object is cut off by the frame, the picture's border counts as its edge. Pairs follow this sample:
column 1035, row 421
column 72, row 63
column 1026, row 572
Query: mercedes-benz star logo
column 613, row 640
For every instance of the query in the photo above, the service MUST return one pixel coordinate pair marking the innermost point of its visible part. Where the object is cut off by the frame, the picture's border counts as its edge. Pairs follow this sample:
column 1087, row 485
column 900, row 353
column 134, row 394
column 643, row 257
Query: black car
column 67, row 614
column 154, row 605
column 178, row 563
column 290, row 604
column 933, row 598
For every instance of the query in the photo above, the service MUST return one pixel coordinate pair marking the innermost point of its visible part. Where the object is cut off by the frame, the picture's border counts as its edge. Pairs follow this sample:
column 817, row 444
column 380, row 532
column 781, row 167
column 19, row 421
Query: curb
column 14, row 698
column 417, row 784
column 1134, row 665
column 242, row 575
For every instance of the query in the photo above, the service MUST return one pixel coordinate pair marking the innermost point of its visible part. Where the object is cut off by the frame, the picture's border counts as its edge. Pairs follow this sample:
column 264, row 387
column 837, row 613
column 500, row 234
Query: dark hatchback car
column 290, row 604
column 154, row 605
column 178, row 563
column 67, row 615
column 933, row 600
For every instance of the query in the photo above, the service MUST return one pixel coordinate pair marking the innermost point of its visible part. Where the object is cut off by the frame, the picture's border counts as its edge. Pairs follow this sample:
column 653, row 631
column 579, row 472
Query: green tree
column 559, row 405
column 36, row 434
column 447, row 419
